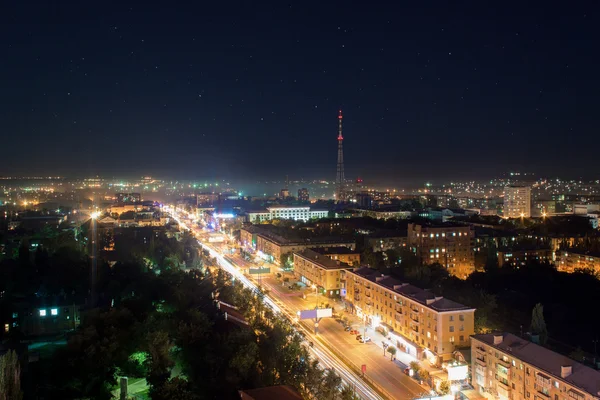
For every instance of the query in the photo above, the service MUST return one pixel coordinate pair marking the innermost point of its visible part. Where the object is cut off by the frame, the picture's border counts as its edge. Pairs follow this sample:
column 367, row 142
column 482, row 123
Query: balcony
column 543, row 391
column 398, row 311
column 481, row 361
column 414, row 317
column 502, row 384
column 356, row 297
column 505, row 364
column 367, row 293
column 503, row 390
column 368, row 303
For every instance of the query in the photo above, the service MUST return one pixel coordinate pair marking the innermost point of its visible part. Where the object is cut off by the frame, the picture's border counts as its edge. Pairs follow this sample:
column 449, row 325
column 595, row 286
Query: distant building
column 519, row 258
column 284, row 193
column 207, row 199
column 517, row 201
column 297, row 213
column 262, row 239
column 315, row 268
column 506, row 366
column 364, row 200
column 303, row 194
column 572, row 260
column 422, row 324
column 123, row 208
column 452, row 246
column 387, row 213
column 128, row 198
column 386, row 240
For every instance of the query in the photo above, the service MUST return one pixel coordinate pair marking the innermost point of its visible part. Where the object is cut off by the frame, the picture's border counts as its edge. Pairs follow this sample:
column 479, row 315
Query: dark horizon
column 247, row 91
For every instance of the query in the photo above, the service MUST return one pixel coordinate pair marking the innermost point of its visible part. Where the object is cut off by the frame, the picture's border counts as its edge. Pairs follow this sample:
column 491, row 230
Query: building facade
column 272, row 246
column 423, row 325
column 342, row 254
column 303, row 194
column 508, row 367
column 314, row 268
column 301, row 213
column 519, row 258
column 452, row 246
column 569, row 261
column 517, row 202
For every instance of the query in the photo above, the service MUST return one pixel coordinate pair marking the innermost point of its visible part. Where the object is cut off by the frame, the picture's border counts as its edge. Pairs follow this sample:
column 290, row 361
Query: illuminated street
column 387, row 375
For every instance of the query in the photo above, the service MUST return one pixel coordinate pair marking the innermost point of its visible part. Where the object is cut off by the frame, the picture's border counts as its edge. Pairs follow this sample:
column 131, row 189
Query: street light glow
column 95, row 215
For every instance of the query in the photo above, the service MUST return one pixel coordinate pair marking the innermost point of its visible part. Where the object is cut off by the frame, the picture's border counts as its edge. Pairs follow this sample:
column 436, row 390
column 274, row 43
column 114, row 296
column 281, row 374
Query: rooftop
column 334, row 250
column 422, row 296
column 321, row 260
column 582, row 377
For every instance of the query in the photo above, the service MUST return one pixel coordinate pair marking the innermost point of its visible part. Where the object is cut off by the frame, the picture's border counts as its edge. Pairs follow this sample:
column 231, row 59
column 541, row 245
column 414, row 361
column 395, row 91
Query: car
column 347, row 328
column 407, row 371
column 358, row 337
column 365, row 339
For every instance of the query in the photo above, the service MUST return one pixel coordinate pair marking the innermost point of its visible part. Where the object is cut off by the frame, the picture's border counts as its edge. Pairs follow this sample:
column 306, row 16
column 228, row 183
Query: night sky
column 246, row 90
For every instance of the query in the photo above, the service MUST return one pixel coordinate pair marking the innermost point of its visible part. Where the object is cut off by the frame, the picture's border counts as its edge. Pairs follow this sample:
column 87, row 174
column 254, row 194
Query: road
column 333, row 347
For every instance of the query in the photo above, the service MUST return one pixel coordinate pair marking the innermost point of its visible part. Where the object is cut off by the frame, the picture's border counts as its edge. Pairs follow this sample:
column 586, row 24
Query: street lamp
column 316, row 295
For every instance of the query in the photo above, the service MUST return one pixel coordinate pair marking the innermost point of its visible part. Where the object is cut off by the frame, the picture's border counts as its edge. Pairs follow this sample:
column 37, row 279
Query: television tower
column 340, row 179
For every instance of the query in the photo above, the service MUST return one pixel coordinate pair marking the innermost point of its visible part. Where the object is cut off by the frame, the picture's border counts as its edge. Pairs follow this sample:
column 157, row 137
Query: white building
column 517, row 202
column 285, row 212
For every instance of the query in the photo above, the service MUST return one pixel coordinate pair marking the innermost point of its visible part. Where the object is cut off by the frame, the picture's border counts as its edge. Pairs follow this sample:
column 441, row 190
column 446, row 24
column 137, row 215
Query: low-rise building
column 450, row 245
column 123, row 208
column 572, row 260
column 264, row 240
column 313, row 268
column 424, row 325
column 297, row 213
column 44, row 319
column 519, row 258
column 386, row 213
column 506, row 366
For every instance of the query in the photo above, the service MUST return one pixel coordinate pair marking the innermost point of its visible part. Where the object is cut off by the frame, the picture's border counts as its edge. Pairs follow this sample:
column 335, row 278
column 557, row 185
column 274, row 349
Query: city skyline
column 250, row 91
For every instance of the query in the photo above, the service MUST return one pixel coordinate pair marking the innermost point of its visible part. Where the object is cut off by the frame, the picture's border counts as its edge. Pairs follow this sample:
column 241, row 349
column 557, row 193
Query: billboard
column 315, row 314
column 256, row 271
column 457, row 372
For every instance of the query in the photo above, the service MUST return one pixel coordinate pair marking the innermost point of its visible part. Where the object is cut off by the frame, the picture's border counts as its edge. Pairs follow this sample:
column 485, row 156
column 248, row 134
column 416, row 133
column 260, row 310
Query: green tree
column 159, row 360
column 370, row 258
column 392, row 350
column 10, row 377
column 414, row 365
column 424, row 375
column 577, row 355
column 444, row 387
column 348, row 393
column 175, row 389
column 538, row 324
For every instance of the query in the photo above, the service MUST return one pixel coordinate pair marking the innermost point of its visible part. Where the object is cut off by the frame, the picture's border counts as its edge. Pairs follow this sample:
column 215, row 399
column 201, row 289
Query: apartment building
column 505, row 366
column 517, row 201
column 423, row 324
column 342, row 254
column 312, row 267
column 386, row 240
column 570, row 261
column 518, row 258
column 450, row 245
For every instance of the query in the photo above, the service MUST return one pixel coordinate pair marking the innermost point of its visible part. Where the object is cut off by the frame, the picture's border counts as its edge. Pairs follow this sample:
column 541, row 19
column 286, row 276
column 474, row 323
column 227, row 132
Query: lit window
column 42, row 313
column 54, row 311
column 6, row 327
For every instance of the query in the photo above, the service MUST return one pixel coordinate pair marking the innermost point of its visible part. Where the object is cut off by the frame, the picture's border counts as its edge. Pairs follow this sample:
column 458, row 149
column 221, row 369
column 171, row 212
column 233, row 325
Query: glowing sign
column 458, row 372
column 224, row 216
